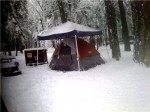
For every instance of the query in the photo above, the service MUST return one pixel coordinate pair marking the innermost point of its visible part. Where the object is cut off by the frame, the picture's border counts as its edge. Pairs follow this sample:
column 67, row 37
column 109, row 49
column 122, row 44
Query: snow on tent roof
column 33, row 49
column 67, row 29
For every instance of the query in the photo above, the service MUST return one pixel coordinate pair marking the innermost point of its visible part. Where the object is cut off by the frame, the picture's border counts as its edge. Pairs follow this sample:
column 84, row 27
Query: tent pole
column 37, row 52
column 77, row 53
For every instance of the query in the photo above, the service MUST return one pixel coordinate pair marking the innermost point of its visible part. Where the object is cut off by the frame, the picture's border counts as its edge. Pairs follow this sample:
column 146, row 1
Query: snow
column 33, row 49
column 8, row 65
column 117, row 86
column 66, row 28
column 4, row 57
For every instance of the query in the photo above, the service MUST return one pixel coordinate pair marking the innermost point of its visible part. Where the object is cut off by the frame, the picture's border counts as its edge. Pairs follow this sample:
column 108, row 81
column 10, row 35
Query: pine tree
column 5, row 12
column 13, row 19
column 141, row 23
column 125, row 32
column 112, row 29
column 62, row 11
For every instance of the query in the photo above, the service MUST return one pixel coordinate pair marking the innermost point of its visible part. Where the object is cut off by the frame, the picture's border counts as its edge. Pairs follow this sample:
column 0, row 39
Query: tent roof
column 67, row 29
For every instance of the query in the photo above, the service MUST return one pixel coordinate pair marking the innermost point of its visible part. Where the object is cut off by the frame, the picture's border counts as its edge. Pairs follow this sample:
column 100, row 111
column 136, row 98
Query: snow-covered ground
column 117, row 86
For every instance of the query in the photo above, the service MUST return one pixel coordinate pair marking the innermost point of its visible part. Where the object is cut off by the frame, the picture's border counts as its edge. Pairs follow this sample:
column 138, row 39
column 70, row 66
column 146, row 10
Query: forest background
column 122, row 22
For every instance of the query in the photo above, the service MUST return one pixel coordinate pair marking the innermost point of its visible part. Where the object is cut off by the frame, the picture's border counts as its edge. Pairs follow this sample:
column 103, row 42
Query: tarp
column 68, row 29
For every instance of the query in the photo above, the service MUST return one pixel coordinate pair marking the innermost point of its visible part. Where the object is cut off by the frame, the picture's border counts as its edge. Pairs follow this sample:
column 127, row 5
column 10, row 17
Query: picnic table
column 6, row 59
column 9, row 68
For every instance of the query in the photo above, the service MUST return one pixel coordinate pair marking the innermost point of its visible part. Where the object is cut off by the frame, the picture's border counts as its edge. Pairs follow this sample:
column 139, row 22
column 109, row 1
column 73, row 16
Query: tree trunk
column 141, row 23
column 125, row 32
column 62, row 11
column 16, row 53
column 112, row 29
column 17, row 46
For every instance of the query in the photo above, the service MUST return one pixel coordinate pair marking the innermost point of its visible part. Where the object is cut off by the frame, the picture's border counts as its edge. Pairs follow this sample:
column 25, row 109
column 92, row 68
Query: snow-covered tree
column 14, row 20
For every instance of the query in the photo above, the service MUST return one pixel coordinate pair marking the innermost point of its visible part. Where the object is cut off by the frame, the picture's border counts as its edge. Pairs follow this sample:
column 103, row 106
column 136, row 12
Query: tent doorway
column 62, row 59
column 65, row 55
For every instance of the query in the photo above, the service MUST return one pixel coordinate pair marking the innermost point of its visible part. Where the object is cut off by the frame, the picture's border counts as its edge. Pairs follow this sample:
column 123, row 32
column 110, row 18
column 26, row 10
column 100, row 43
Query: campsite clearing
column 117, row 86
